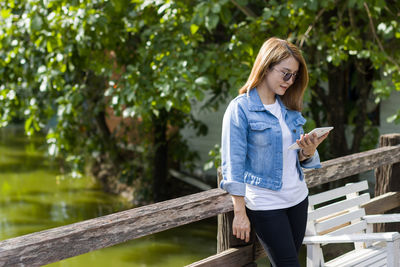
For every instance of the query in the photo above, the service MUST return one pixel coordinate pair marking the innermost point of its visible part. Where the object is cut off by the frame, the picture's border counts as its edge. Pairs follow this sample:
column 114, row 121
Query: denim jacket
column 251, row 146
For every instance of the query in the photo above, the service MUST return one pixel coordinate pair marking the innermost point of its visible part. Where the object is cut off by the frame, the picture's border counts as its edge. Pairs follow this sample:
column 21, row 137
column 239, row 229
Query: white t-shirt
column 293, row 190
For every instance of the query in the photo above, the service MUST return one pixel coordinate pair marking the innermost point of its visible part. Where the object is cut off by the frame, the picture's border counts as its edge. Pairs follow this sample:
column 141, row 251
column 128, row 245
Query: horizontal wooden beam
column 235, row 257
column 55, row 244
column 71, row 240
column 342, row 167
column 377, row 205
column 382, row 203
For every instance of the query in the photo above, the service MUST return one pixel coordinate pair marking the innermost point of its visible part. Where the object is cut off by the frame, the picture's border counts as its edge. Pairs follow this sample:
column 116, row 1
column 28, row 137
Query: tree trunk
column 364, row 75
column 336, row 111
column 160, row 163
column 386, row 180
column 94, row 96
column 106, row 167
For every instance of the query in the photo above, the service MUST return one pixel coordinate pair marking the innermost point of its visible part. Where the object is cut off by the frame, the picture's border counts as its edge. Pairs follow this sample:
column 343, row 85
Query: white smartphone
column 319, row 131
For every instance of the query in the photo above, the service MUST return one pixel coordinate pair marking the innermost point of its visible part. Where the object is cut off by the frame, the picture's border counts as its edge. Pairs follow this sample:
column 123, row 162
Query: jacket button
column 294, row 130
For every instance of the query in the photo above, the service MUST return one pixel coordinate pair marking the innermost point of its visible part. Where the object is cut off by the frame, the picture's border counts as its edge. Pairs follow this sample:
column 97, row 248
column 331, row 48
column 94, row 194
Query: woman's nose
column 290, row 81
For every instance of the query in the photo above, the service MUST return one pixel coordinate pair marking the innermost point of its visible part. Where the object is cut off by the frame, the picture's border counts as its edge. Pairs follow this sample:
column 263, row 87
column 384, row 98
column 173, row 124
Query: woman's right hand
column 241, row 226
column 241, row 223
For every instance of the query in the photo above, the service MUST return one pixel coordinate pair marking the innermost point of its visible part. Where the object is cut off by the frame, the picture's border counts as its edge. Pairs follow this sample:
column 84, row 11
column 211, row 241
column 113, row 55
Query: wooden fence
column 71, row 240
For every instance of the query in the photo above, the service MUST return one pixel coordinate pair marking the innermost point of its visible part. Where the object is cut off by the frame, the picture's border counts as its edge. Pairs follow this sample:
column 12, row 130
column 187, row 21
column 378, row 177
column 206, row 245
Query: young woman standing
column 263, row 176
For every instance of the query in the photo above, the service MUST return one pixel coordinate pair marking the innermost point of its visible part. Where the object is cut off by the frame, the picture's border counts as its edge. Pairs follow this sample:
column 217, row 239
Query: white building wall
column 388, row 108
column 203, row 144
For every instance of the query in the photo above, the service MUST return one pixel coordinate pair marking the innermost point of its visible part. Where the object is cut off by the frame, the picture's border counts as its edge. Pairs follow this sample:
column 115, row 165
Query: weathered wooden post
column 225, row 237
column 387, row 179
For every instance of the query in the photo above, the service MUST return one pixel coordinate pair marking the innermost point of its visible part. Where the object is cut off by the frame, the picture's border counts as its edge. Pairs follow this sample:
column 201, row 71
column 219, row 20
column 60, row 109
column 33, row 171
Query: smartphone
column 319, row 131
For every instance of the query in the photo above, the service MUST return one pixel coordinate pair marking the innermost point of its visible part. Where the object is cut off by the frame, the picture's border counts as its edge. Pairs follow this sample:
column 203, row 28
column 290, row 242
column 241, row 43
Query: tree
column 66, row 64
column 352, row 49
column 59, row 61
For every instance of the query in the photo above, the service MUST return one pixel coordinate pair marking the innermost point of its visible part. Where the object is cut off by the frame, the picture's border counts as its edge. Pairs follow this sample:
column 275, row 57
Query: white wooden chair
column 342, row 220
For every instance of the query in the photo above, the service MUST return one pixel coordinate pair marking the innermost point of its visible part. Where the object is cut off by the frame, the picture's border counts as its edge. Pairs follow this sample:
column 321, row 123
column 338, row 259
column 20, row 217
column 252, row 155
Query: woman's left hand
column 308, row 144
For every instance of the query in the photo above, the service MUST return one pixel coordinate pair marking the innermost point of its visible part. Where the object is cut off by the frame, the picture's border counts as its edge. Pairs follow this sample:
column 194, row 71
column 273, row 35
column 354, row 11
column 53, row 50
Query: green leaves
column 208, row 13
column 242, row 2
column 382, row 89
column 5, row 13
column 36, row 23
column 394, row 118
column 211, row 21
column 193, row 28
column 139, row 59
column 202, row 81
column 215, row 158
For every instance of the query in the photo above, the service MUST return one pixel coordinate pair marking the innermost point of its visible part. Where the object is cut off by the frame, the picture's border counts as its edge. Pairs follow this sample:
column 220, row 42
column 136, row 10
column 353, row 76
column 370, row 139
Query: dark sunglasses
column 287, row 75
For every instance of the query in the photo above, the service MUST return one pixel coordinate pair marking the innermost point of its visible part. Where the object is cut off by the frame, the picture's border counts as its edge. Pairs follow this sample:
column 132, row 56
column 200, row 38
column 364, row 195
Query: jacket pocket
column 260, row 133
column 298, row 124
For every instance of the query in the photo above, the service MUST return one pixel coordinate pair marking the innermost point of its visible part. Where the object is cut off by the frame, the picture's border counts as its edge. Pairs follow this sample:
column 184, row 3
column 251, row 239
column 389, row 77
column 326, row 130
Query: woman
column 263, row 176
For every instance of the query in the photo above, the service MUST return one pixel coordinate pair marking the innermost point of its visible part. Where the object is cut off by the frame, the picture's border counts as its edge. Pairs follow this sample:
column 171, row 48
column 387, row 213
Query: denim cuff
column 234, row 188
column 312, row 163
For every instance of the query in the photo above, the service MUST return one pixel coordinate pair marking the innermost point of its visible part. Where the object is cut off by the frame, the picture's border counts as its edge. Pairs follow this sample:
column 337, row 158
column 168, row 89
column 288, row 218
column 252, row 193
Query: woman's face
column 276, row 76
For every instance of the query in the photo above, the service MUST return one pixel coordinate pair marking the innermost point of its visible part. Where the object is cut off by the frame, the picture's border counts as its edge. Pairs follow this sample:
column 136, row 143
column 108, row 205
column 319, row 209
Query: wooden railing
column 71, row 240
column 386, row 160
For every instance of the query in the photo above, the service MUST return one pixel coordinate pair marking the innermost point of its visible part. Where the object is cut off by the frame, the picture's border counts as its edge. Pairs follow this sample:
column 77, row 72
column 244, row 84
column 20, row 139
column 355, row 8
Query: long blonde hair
column 272, row 52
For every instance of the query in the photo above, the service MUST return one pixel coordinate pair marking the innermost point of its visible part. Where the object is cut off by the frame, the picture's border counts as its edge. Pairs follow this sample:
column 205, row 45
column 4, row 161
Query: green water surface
column 34, row 196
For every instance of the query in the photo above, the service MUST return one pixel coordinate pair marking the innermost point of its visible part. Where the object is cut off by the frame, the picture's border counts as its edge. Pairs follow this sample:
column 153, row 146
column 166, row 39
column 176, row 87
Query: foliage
column 215, row 158
column 352, row 49
column 63, row 63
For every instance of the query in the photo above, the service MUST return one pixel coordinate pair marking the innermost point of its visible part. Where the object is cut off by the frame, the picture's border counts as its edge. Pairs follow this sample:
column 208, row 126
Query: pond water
column 34, row 196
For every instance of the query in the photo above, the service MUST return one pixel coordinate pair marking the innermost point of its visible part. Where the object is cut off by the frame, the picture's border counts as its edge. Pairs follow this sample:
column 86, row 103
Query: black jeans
column 281, row 232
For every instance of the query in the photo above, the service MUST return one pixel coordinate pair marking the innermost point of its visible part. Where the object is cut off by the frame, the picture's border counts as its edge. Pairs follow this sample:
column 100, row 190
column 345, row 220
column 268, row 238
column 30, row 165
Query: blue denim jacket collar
column 254, row 101
column 255, row 104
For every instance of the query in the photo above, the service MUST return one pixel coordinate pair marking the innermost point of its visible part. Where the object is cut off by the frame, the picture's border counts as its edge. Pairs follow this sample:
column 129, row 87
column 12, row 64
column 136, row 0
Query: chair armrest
column 350, row 238
column 382, row 218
